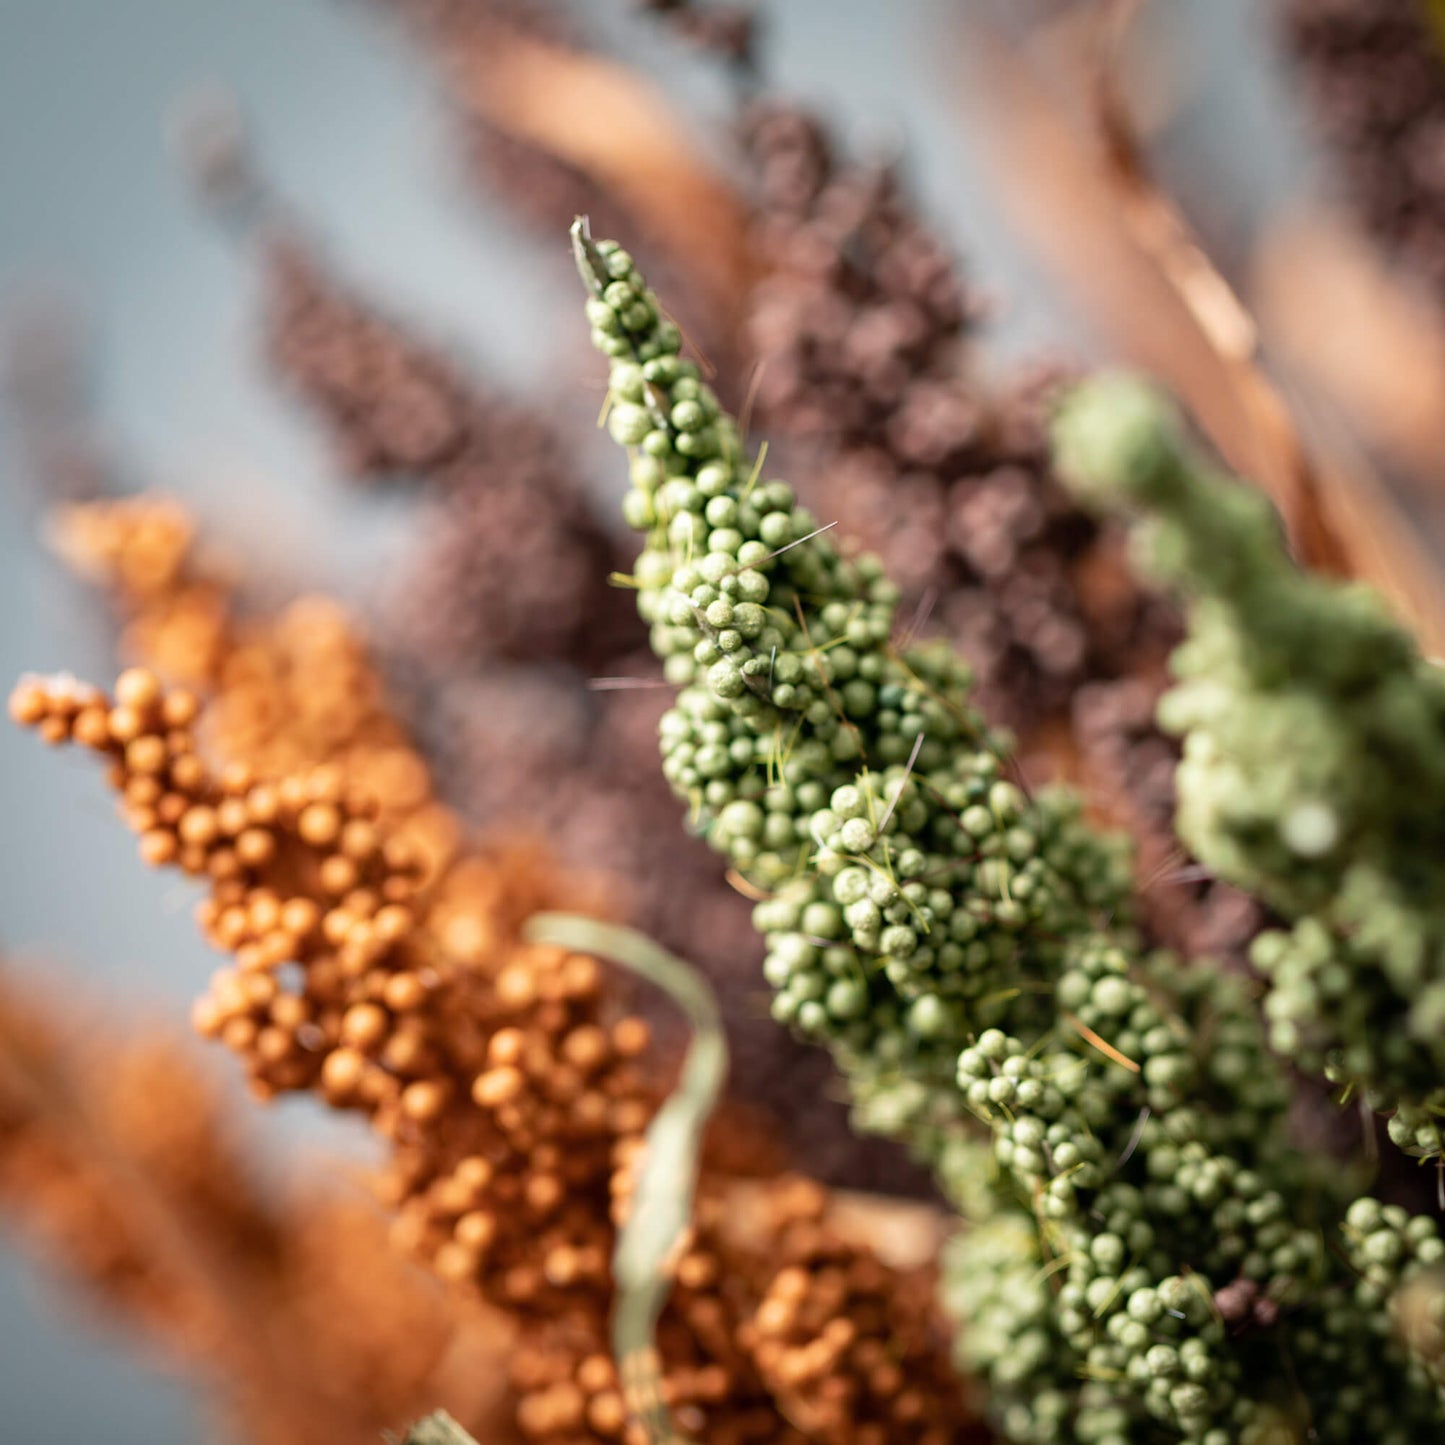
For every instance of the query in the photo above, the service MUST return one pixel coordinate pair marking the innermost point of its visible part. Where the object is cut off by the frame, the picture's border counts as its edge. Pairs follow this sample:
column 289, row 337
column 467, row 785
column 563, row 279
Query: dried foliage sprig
column 1148, row 1239
column 395, row 409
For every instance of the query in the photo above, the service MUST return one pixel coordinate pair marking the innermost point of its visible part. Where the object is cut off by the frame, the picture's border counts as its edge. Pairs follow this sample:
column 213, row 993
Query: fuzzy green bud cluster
column 1313, row 770
column 1113, row 1122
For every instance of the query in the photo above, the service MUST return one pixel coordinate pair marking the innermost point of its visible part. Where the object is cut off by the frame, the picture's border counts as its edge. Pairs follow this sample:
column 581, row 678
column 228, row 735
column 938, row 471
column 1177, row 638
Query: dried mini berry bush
column 1373, row 72
column 380, row 965
column 1146, row 1245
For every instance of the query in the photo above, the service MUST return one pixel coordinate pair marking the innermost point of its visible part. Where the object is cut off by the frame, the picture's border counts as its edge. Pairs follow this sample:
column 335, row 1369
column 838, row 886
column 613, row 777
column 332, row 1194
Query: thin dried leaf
column 607, row 122
column 1359, row 333
column 1075, row 182
column 662, row 1197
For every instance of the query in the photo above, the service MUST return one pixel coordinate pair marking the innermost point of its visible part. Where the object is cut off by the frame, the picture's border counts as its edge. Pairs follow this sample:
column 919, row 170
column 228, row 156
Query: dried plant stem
column 438, row 1428
column 1130, row 261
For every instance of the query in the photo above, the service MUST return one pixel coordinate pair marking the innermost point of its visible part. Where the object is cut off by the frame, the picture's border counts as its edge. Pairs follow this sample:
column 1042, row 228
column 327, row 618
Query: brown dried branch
column 1358, row 331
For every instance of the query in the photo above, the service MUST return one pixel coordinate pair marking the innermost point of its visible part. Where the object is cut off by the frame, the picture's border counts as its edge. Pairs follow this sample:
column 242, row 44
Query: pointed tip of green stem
column 1112, row 435
column 590, row 265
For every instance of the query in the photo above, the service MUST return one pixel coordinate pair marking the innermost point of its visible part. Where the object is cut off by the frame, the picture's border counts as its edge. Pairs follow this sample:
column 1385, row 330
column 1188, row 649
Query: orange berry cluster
column 377, row 962
column 843, row 1344
column 283, row 693
column 513, row 1096
column 175, row 612
column 115, row 1162
column 780, row 1329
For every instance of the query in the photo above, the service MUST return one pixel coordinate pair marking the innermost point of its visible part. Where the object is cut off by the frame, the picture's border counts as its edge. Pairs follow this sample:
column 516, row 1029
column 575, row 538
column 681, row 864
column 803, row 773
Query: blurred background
column 114, row 275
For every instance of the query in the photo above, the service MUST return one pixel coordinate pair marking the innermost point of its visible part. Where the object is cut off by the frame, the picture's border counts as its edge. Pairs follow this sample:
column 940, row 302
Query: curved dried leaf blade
column 662, row 1199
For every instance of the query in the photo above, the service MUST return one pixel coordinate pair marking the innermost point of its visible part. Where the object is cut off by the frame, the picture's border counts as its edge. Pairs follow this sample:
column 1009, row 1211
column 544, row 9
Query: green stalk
column 1149, row 1250
column 1313, row 773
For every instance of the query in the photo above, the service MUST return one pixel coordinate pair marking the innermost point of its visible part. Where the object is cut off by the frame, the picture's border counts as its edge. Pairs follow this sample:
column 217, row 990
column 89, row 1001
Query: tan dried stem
column 1281, row 462
column 1073, row 174
column 621, row 132
column 1359, row 332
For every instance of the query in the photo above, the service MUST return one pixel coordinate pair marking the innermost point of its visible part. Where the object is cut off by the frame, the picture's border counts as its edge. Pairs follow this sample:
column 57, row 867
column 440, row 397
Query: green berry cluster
column 1313, row 770
column 1112, row 1121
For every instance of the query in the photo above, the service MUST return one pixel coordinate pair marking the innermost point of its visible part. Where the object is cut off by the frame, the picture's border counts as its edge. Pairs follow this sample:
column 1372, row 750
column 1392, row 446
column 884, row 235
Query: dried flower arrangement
column 1149, row 1252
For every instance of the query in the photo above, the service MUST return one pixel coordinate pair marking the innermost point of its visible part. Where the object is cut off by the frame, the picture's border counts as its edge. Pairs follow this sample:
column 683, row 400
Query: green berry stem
column 1146, row 1247
column 1313, row 770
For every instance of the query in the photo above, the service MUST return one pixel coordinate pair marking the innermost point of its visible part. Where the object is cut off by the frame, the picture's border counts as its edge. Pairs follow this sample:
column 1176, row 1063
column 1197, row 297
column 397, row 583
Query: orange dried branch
column 286, row 691
column 513, row 1095
column 175, row 607
column 113, row 1157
